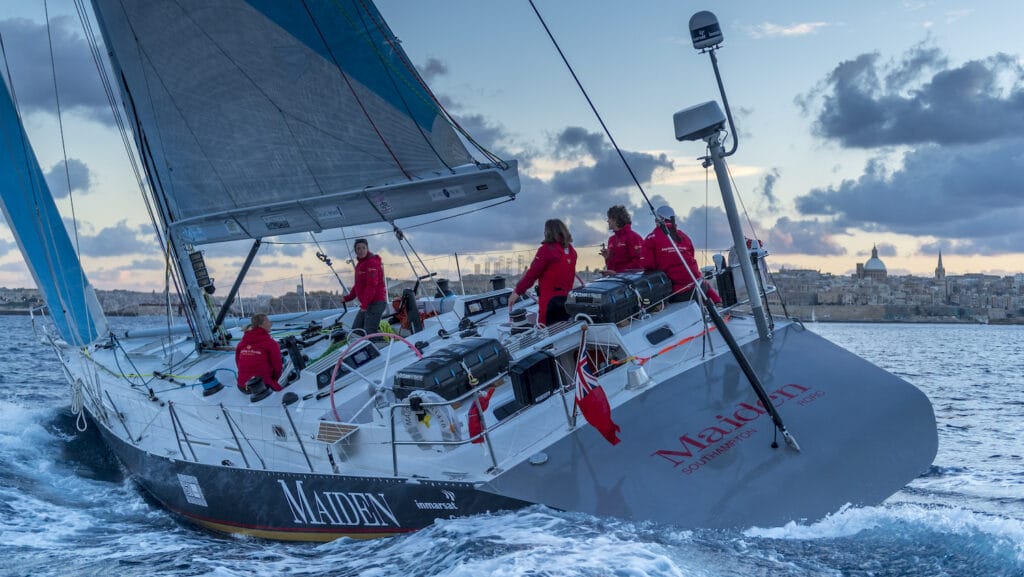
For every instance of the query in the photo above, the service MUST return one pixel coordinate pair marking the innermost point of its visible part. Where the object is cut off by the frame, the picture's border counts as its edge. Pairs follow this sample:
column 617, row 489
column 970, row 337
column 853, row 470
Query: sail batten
column 248, row 106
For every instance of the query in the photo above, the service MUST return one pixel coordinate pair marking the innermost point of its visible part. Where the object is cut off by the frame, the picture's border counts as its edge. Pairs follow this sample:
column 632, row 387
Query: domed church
column 873, row 268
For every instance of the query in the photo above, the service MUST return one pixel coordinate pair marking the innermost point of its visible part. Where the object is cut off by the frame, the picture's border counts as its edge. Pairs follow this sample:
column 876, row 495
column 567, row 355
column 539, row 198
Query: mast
column 194, row 298
column 704, row 122
column 717, row 154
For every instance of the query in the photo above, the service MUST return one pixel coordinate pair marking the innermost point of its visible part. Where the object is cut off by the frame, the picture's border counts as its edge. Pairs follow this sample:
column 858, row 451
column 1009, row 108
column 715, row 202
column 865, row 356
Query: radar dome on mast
column 705, row 31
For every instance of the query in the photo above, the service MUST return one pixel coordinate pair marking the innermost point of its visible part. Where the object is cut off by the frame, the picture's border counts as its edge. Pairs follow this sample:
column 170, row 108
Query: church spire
column 940, row 271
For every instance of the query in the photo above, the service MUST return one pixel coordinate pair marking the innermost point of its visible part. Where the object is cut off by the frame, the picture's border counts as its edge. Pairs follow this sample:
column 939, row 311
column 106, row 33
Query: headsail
column 261, row 117
column 33, row 217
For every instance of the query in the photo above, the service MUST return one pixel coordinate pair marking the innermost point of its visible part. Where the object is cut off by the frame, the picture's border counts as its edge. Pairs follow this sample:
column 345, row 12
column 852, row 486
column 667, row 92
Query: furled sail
column 264, row 117
column 37, row 226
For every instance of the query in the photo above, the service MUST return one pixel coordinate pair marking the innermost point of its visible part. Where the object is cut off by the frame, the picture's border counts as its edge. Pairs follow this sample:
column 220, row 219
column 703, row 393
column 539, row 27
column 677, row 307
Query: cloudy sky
column 878, row 123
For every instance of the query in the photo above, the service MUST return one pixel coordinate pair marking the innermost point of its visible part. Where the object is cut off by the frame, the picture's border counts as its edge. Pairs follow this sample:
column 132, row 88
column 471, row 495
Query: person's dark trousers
column 369, row 319
column 556, row 312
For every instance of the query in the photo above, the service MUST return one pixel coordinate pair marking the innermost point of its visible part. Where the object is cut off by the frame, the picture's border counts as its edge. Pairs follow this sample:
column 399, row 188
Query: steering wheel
column 349, row 349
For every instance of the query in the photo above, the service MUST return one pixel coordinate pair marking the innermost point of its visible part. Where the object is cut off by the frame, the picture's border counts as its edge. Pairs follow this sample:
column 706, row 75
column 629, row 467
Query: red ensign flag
column 592, row 401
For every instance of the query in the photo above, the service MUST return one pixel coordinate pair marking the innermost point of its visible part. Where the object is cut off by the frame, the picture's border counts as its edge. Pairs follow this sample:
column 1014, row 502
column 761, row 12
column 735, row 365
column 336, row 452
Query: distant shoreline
column 920, row 320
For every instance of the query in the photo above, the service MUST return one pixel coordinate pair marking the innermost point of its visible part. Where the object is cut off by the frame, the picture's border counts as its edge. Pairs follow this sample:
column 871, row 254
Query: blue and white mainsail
column 258, row 118
column 37, row 226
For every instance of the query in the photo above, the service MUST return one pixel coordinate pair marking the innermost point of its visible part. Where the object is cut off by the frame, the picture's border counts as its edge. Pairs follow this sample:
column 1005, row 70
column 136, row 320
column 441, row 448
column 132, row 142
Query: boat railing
column 745, row 303
column 473, row 394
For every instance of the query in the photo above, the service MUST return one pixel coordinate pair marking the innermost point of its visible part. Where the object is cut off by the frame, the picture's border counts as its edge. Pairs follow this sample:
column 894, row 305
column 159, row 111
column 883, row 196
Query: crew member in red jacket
column 554, row 266
column 625, row 247
column 659, row 254
column 369, row 288
column 258, row 354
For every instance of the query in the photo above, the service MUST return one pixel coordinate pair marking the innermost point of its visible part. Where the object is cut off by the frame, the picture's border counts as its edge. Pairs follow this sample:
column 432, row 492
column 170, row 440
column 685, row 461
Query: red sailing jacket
column 258, row 354
column 658, row 254
column 555, row 267
column 625, row 249
column 369, row 284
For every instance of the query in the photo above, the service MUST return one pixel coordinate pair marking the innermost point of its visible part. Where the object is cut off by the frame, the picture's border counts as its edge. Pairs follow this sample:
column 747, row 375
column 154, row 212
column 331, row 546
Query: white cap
column 665, row 212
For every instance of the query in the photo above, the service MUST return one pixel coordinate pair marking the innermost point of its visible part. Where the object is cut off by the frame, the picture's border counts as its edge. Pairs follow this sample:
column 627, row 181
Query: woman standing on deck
column 554, row 269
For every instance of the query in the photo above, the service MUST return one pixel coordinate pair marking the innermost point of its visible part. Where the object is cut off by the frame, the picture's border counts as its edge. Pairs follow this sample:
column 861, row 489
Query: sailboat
column 254, row 118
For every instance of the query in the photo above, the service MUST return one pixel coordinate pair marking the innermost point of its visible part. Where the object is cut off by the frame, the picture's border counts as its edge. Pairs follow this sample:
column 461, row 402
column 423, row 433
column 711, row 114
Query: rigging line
column 389, row 37
column 154, row 180
column 348, row 246
column 119, row 120
column 401, row 236
column 327, row 261
column 430, row 275
column 144, row 55
column 104, row 81
column 108, row 91
column 592, row 107
column 707, row 204
column 739, row 195
column 405, row 103
column 136, row 122
column 170, row 248
column 67, row 174
column 757, row 236
column 353, row 90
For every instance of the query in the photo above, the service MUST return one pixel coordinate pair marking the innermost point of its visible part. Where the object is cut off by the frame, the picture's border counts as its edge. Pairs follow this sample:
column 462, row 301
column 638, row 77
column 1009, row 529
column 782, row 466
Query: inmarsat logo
column 447, row 505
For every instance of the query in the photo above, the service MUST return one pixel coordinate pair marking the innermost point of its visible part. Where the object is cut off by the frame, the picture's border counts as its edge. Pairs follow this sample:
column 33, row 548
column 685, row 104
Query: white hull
column 695, row 448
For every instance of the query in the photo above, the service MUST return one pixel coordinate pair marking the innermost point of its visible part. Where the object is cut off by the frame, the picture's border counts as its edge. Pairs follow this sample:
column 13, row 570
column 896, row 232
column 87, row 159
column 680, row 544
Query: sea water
column 66, row 507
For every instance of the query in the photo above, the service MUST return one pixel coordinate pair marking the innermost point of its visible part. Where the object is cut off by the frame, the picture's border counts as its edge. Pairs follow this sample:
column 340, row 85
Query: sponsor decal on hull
column 711, row 442
column 447, row 505
column 193, row 492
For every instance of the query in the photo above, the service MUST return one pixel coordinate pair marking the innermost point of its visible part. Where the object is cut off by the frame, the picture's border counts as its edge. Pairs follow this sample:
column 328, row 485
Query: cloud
column 432, row 69
column 606, row 173
column 768, row 187
column 578, row 193
column 708, row 228
column 771, row 30
column 76, row 172
column 118, row 240
column 811, row 237
column 148, row 264
column 971, row 247
column 7, row 246
column 953, row 16
column 919, row 98
column 291, row 246
column 489, row 135
column 77, row 80
column 16, row 266
column 575, row 176
column 886, row 249
column 969, row 193
column 574, row 141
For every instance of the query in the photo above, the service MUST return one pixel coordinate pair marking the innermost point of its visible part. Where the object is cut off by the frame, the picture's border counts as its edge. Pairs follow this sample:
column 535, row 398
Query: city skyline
column 870, row 125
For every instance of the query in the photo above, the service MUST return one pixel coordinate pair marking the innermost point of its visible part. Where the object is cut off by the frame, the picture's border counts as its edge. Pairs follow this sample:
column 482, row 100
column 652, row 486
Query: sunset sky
column 896, row 124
